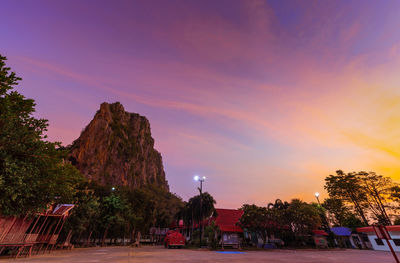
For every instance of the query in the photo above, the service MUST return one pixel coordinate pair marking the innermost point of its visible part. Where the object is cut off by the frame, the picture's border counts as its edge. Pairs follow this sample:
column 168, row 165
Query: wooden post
column 9, row 229
column 382, row 233
column 390, row 245
column 58, row 233
column 48, row 244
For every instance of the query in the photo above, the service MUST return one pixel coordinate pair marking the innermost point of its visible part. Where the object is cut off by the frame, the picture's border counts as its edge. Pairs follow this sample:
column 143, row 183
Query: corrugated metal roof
column 62, row 209
column 341, row 231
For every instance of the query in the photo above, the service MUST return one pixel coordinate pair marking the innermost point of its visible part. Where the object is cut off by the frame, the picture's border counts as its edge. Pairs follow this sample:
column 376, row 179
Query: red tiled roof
column 320, row 232
column 371, row 229
column 179, row 225
column 227, row 220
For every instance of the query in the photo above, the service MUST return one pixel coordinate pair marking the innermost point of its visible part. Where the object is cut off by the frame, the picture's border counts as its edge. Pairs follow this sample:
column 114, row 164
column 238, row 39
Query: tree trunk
column 104, row 236
column 79, row 237
column 382, row 206
column 359, row 209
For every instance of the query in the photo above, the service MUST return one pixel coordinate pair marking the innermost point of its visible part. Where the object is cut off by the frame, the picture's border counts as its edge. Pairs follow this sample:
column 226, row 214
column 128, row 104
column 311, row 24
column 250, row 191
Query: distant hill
column 116, row 148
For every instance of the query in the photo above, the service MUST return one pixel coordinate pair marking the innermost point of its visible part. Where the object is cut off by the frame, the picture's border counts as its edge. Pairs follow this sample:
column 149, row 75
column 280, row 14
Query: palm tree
column 278, row 205
column 207, row 206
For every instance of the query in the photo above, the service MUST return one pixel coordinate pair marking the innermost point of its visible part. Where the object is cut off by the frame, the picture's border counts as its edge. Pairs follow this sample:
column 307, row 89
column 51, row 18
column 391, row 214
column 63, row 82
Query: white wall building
column 380, row 244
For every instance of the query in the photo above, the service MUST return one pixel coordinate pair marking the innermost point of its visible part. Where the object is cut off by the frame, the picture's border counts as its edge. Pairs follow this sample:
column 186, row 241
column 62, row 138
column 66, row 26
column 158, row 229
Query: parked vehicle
column 174, row 239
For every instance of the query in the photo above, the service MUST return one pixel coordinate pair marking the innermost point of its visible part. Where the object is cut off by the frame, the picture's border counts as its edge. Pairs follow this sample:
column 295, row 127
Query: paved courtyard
column 159, row 254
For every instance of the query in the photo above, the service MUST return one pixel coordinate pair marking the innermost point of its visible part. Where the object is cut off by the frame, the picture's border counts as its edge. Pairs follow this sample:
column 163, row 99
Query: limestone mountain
column 116, row 148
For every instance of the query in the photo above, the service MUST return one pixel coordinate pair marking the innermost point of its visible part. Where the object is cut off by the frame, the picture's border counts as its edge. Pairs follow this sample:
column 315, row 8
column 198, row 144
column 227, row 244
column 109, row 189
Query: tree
column 395, row 193
column 278, row 205
column 303, row 217
column 367, row 192
column 212, row 234
column 207, row 207
column 377, row 189
column 257, row 219
column 352, row 221
column 112, row 216
column 347, row 188
column 336, row 208
column 84, row 215
column 33, row 173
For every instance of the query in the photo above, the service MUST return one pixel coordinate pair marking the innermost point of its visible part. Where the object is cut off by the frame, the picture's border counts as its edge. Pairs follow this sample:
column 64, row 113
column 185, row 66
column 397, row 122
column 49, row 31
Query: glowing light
column 316, row 194
column 196, row 177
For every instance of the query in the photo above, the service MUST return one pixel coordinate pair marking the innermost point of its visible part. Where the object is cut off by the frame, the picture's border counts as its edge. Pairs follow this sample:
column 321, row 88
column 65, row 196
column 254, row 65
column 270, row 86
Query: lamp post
column 325, row 218
column 201, row 180
column 317, row 196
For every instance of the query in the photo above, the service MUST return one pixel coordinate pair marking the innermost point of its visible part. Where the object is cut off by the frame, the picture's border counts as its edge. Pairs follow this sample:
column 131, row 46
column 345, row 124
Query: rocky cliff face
column 116, row 148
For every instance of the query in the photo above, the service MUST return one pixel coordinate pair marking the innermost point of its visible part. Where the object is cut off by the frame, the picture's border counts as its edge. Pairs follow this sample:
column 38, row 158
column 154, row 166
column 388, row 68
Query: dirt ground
column 147, row 254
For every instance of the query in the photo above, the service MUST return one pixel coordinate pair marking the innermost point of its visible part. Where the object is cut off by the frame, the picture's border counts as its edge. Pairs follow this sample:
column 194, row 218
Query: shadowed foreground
column 160, row 254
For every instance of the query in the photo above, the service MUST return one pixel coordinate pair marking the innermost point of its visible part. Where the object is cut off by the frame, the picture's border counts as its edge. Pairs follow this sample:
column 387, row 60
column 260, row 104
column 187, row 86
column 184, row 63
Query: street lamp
column 317, row 196
column 201, row 180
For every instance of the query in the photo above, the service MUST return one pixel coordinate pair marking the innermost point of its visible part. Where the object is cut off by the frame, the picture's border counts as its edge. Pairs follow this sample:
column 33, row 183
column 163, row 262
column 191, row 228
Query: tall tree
column 112, row 210
column 303, row 217
column 83, row 217
column 336, row 208
column 395, row 194
column 278, row 204
column 347, row 188
column 207, row 207
column 257, row 219
column 377, row 189
column 32, row 171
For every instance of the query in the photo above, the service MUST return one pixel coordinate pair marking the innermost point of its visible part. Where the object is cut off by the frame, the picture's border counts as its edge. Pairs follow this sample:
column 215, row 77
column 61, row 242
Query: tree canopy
column 365, row 192
column 33, row 173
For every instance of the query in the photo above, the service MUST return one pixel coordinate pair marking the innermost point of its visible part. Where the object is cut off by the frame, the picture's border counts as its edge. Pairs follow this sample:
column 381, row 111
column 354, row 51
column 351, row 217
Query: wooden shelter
column 22, row 234
column 227, row 220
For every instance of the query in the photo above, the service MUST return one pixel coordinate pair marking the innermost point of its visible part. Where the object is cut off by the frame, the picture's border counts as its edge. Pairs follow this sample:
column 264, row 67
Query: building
column 320, row 239
column 227, row 221
column 23, row 234
column 380, row 244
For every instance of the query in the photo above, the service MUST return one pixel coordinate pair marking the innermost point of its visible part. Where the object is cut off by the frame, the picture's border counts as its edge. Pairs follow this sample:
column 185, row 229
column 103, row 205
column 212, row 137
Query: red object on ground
column 174, row 239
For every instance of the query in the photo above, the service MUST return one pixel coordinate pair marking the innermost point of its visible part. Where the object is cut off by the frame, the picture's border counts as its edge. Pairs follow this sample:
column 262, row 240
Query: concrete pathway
column 149, row 254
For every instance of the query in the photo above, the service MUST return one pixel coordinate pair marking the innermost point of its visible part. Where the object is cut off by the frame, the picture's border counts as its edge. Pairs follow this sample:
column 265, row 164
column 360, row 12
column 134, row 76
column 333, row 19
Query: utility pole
column 201, row 180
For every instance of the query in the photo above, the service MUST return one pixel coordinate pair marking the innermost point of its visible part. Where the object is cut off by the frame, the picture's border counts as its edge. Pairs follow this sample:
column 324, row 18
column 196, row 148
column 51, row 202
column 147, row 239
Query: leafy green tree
column 257, row 219
column 369, row 193
column 83, row 218
column 278, row 204
column 302, row 217
column 112, row 210
column 377, row 189
column 347, row 187
column 207, row 207
column 395, row 193
column 212, row 234
column 336, row 208
column 32, row 171
column 352, row 221
column 323, row 216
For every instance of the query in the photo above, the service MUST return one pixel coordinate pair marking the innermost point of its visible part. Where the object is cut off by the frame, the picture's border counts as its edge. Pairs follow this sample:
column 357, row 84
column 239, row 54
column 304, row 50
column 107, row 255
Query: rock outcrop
column 116, row 148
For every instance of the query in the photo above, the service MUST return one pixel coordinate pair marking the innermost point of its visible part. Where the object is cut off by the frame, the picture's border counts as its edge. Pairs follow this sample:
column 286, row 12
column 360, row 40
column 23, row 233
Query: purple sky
column 265, row 98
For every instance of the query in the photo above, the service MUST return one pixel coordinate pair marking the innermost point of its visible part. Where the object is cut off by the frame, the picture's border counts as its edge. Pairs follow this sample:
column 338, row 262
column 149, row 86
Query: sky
column 264, row 98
